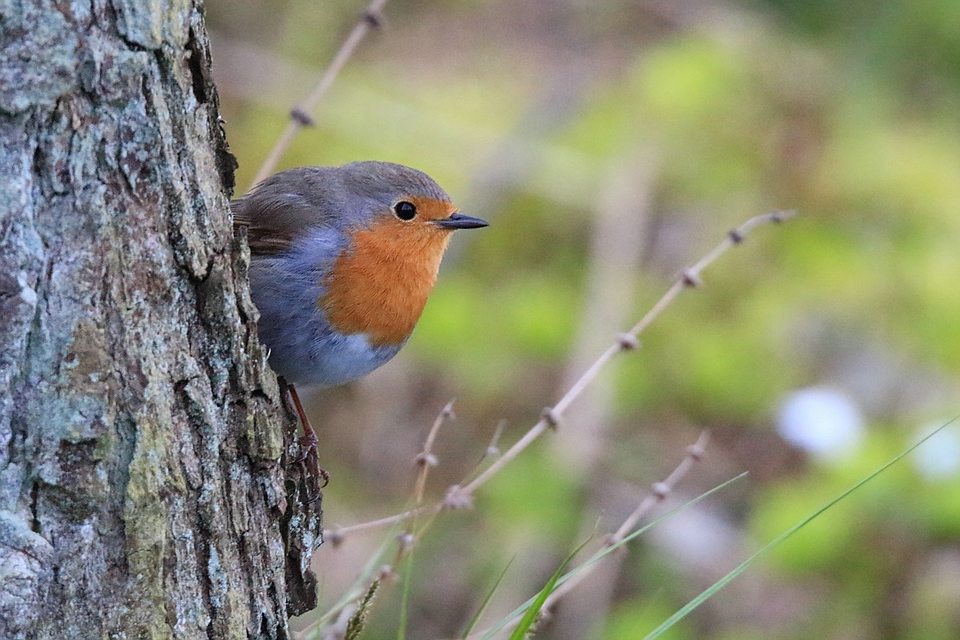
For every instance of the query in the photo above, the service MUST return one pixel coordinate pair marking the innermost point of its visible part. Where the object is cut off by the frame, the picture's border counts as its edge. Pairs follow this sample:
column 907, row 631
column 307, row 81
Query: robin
column 342, row 262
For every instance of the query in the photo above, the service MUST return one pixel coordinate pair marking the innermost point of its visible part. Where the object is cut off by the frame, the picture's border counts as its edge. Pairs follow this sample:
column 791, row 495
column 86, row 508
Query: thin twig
column 300, row 116
column 406, row 539
column 493, row 449
column 425, row 459
column 342, row 532
column 688, row 278
column 660, row 491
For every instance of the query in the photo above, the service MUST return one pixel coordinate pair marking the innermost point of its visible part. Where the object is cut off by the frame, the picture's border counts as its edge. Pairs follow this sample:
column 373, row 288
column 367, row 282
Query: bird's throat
column 379, row 285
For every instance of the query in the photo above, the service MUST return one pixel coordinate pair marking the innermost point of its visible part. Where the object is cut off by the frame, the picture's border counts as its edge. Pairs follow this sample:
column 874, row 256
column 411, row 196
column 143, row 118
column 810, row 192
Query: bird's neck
column 379, row 285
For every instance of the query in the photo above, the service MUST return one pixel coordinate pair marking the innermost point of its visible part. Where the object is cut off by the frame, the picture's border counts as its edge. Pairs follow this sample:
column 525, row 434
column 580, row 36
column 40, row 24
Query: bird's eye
column 405, row 210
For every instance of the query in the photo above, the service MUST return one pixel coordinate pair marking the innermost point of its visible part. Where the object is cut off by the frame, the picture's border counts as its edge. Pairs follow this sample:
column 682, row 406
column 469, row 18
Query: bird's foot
column 309, row 453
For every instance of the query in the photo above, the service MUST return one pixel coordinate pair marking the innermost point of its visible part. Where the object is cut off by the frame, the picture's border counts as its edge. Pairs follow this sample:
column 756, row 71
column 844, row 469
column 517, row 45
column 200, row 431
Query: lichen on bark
column 148, row 484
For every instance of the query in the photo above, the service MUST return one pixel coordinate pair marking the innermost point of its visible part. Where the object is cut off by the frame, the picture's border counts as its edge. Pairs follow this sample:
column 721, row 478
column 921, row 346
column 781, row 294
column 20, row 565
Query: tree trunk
column 144, row 484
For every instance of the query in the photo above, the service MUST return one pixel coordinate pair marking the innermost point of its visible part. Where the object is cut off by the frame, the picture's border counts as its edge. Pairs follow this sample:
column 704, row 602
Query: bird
column 342, row 261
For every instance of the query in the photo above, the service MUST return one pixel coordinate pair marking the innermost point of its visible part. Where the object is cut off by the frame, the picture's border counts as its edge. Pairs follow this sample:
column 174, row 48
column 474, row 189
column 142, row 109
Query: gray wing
column 285, row 204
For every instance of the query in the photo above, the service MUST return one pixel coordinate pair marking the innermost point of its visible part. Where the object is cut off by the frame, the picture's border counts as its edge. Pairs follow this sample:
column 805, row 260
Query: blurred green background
column 610, row 144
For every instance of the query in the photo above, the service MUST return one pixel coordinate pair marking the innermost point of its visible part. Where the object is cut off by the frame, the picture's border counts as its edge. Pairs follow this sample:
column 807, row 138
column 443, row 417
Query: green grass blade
column 405, row 597
column 600, row 554
column 520, row 632
column 596, row 557
column 486, row 600
column 722, row 582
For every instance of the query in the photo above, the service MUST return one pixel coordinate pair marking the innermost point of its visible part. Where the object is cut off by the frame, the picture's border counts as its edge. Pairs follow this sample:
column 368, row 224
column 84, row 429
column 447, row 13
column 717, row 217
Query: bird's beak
column 460, row 221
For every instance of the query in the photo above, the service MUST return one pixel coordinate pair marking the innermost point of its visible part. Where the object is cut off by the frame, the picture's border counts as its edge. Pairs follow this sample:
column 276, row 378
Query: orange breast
column 380, row 285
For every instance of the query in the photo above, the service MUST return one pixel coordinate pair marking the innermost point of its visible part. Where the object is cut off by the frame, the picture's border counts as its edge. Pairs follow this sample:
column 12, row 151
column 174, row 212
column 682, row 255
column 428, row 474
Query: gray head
column 386, row 181
column 355, row 195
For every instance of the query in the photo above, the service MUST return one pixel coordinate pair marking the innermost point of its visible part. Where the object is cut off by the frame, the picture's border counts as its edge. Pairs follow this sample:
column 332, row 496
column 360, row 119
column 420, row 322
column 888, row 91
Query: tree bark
column 149, row 484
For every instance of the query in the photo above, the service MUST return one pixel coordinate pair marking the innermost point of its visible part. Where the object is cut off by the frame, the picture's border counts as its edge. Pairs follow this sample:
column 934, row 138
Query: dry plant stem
column 493, row 449
column 406, row 539
column 688, row 278
column 341, row 532
column 551, row 417
column 660, row 491
column 300, row 115
column 425, row 459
